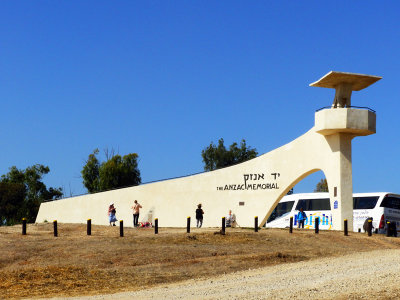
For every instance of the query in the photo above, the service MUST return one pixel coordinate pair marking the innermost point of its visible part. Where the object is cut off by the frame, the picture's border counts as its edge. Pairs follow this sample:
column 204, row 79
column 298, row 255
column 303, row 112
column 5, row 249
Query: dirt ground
column 41, row 265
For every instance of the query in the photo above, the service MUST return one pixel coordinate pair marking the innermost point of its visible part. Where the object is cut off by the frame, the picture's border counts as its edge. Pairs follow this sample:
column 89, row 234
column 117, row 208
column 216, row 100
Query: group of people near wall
column 112, row 213
column 230, row 219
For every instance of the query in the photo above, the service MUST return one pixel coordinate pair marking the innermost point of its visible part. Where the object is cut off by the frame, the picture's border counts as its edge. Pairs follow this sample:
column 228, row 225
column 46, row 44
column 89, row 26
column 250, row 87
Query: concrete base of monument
column 249, row 189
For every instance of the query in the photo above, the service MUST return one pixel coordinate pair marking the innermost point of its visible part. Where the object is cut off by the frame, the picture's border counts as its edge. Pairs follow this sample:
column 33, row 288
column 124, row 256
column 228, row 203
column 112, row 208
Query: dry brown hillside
column 39, row 264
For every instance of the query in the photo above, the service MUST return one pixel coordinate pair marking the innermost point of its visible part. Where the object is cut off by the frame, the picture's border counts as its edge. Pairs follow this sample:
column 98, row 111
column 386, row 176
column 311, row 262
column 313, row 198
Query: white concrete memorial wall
column 249, row 189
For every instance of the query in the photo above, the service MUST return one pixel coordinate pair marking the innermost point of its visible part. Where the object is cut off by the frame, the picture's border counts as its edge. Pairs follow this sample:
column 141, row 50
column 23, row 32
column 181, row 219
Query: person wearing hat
column 111, row 214
column 199, row 216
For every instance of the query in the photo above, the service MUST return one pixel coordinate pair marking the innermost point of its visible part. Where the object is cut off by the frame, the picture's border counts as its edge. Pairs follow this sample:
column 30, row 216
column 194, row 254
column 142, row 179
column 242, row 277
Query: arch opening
column 308, row 175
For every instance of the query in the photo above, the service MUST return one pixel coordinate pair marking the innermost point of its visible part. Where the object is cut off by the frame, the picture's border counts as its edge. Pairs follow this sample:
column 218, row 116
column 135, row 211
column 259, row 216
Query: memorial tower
column 339, row 124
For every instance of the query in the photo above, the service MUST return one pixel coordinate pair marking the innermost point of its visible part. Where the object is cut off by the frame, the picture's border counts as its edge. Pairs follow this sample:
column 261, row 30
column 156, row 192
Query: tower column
column 339, row 177
column 340, row 125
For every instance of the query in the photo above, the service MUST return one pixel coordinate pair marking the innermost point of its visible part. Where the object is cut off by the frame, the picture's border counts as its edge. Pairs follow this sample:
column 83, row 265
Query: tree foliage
column 322, row 186
column 12, row 196
column 22, row 192
column 217, row 156
column 91, row 173
column 115, row 172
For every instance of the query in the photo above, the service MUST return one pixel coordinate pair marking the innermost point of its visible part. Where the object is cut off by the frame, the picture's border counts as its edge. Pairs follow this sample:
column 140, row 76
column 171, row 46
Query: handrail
column 361, row 107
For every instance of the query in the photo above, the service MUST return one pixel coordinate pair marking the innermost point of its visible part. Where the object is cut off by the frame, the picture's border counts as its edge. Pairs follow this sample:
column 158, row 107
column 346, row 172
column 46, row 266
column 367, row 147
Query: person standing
column 301, row 217
column 111, row 214
column 136, row 210
column 230, row 220
column 199, row 216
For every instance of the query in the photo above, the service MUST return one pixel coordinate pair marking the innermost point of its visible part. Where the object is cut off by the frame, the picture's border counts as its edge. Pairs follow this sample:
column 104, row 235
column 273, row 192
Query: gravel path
column 374, row 274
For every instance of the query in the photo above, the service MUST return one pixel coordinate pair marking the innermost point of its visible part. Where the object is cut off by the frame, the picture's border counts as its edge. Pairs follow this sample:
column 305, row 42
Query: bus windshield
column 281, row 209
column 365, row 202
column 391, row 202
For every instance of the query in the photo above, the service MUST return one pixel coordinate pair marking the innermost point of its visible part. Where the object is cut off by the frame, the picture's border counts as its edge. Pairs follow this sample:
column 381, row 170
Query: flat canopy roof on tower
column 357, row 81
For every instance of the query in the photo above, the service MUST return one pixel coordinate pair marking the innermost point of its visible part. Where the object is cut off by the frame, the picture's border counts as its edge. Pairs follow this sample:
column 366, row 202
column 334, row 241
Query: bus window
column 364, row 202
column 281, row 209
column 314, row 204
column 391, row 202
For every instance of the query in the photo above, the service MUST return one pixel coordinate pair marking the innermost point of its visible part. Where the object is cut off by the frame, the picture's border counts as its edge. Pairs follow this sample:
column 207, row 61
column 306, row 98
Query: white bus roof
column 326, row 195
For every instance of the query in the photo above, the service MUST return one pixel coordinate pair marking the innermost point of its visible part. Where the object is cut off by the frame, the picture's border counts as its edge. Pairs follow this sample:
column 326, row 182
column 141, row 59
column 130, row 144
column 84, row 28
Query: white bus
column 381, row 207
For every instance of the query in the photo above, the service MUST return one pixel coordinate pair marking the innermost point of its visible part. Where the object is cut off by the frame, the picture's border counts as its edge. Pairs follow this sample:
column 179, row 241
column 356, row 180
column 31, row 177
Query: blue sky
column 165, row 78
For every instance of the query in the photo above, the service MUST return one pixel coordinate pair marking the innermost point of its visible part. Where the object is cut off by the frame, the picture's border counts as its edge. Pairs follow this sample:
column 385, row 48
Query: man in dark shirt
column 199, row 216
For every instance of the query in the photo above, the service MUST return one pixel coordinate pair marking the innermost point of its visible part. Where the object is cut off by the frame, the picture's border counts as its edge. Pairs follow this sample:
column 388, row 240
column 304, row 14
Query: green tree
column 116, row 172
column 34, row 192
column 322, row 186
column 12, row 196
column 91, row 173
column 216, row 157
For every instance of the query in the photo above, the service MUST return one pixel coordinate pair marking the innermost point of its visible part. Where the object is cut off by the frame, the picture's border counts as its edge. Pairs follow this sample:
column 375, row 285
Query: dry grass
column 39, row 264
